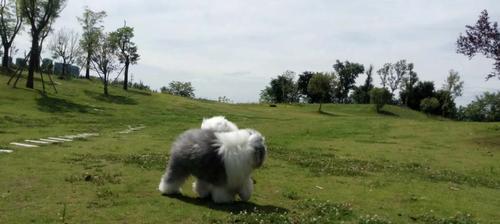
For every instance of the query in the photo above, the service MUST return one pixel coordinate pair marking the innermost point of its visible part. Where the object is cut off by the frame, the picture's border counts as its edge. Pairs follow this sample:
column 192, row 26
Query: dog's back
column 195, row 152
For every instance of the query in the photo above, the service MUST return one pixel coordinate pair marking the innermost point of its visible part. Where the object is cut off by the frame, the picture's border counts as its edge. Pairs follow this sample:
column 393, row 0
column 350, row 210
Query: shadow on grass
column 328, row 113
column 111, row 98
column 235, row 207
column 139, row 92
column 387, row 113
column 55, row 105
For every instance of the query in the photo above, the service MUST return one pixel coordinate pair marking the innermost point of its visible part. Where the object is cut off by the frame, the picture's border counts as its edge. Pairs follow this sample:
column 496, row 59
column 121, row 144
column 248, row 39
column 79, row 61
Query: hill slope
column 344, row 165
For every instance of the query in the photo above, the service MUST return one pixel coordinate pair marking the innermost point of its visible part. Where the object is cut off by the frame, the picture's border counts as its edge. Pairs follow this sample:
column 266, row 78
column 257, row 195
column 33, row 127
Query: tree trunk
column 105, row 88
column 34, row 57
column 87, row 66
column 5, row 59
column 63, row 73
column 320, row 105
column 125, row 78
column 105, row 81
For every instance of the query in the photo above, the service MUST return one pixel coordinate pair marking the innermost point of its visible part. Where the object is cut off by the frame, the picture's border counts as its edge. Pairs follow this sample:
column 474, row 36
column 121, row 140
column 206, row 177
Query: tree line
column 105, row 53
column 399, row 82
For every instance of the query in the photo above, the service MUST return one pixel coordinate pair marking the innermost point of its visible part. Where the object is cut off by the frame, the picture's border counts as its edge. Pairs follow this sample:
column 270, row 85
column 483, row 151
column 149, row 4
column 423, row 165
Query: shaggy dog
column 218, row 124
column 221, row 162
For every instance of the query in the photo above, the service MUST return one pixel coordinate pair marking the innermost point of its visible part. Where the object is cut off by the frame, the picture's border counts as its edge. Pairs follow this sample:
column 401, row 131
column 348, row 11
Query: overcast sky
column 233, row 48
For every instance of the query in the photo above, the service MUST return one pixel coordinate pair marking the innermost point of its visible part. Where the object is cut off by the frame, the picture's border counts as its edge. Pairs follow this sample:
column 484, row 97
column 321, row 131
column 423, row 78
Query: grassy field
column 349, row 165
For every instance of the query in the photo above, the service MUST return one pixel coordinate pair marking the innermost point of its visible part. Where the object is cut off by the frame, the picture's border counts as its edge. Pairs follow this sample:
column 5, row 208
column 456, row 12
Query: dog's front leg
column 246, row 190
column 222, row 195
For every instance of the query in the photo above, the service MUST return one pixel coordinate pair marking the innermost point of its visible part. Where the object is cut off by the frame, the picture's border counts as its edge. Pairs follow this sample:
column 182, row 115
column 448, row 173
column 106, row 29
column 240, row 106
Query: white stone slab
column 37, row 141
column 6, row 151
column 89, row 134
column 23, row 145
column 49, row 140
column 60, row 139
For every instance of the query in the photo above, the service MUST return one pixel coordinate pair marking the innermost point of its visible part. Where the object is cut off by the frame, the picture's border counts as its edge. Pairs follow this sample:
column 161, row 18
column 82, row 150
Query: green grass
column 348, row 165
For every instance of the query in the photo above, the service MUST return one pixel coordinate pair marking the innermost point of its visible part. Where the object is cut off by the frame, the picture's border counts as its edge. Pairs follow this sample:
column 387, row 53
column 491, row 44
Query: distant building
column 71, row 70
column 20, row 62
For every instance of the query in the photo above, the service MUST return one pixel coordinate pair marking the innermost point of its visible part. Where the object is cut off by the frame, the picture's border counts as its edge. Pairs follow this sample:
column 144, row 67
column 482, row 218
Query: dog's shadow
column 235, row 207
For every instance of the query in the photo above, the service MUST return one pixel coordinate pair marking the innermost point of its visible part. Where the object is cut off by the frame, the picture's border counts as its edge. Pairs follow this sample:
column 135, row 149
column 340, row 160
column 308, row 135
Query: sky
column 233, row 48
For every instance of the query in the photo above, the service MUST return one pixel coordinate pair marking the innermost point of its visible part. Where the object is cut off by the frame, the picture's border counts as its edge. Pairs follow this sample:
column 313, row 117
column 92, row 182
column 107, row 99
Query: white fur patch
column 218, row 124
column 237, row 155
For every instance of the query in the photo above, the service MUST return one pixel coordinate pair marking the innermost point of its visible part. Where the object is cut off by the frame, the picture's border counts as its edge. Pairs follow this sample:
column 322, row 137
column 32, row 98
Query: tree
column 10, row 24
column 176, row 88
column 394, row 80
column 39, row 14
column 485, row 108
column 421, row 91
column 91, row 24
column 384, row 73
column 303, row 83
column 361, row 94
column 127, row 50
column 408, row 84
column 483, row 38
column 104, row 60
column 429, row 105
column 65, row 45
column 347, row 73
column 379, row 97
column 320, row 85
column 447, row 107
column 282, row 89
column 265, row 95
column 453, row 87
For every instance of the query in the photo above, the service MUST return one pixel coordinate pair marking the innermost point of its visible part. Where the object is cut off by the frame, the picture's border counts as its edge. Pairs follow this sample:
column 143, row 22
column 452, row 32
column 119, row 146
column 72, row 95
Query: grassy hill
column 350, row 164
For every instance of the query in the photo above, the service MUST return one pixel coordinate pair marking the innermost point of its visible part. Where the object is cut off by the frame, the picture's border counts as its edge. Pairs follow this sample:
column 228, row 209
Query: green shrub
column 485, row 108
column 429, row 105
column 380, row 97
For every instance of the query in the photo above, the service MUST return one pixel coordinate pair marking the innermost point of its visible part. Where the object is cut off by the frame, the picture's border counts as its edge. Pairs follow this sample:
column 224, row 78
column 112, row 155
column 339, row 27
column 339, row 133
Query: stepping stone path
column 49, row 140
column 23, row 145
column 131, row 129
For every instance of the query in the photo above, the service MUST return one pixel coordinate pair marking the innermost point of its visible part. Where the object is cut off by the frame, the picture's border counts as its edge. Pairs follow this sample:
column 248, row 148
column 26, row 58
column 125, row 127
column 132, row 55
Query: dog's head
column 258, row 143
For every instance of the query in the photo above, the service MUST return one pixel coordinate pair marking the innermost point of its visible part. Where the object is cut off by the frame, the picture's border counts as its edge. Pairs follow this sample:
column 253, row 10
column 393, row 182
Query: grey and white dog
column 220, row 160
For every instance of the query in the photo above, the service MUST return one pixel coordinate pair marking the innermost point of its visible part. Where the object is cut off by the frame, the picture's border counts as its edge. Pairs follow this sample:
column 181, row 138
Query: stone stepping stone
column 50, row 140
column 60, row 139
column 37, row 142
column 23, row 145
column 131, row 129
column 6, row 151
column 83, row 135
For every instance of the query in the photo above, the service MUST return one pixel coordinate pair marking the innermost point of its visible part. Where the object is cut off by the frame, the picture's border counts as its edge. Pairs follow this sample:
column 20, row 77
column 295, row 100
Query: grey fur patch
column 194, row 153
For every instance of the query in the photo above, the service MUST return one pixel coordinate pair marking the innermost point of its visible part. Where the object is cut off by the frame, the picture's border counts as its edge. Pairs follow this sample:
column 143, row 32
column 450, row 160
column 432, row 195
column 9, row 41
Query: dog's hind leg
column 246, row 190
column 172, row 181
column 202, row 188
column 222, row 195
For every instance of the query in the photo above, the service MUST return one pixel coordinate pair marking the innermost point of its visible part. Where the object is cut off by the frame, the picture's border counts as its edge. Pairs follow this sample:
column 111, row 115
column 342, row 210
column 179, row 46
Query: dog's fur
column 221, row 161
column 218, row 124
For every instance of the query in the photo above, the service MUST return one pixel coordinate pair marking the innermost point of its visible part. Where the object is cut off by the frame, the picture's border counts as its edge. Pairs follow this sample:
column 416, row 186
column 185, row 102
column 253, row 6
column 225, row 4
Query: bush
column 429, row 105
column 380, row 97
column 485, row 108
column 176, row 88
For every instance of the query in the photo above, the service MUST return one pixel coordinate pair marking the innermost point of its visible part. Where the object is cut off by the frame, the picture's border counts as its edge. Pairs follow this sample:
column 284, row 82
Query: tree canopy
column 483, row 38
